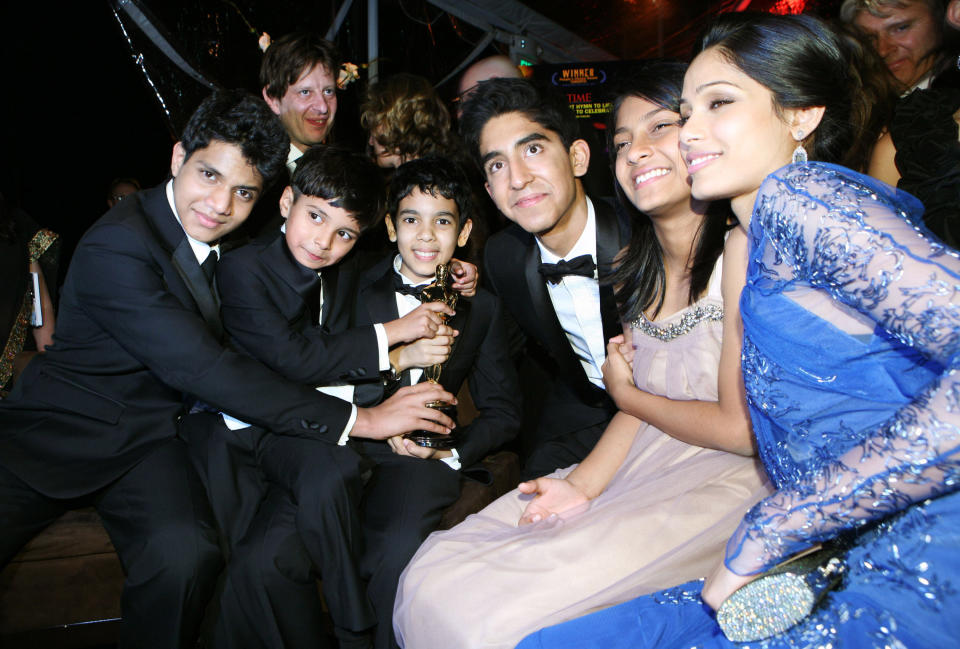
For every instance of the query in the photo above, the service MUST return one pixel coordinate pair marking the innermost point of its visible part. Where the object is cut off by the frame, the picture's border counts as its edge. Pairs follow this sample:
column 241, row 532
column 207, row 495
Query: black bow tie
column 209, row 266
column 582, row 265
column 406, row 289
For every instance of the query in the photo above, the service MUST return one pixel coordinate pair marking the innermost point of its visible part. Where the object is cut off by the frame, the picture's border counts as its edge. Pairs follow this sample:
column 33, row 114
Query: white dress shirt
column 292, row 156
column 576, row 301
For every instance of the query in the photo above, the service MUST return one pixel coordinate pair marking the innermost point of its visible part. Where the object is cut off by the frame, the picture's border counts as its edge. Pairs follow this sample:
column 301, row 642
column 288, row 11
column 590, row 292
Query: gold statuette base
column 435, row 440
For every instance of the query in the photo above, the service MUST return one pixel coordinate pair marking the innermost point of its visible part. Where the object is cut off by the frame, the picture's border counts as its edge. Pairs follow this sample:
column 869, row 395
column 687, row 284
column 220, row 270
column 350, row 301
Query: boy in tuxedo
column 96, row 420
column 287, row 302
column 547, row 265
column 429, row 208
column 358, row 521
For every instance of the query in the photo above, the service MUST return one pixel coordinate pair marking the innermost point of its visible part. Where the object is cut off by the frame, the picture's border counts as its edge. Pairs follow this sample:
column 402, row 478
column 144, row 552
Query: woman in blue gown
column 851, row 316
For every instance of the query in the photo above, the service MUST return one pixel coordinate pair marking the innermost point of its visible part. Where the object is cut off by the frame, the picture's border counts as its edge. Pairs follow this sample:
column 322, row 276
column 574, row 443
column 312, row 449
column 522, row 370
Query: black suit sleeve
column 494, row 388
column 513, row 334
column 300, row 352
column 123, row 289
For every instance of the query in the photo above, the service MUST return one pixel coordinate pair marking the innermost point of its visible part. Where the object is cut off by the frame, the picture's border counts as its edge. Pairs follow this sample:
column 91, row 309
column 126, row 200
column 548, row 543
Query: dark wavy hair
column 406, row 116
column 536, row 101
column 803, row 63
column 290, row 56
column 432, row 175
column 237, row 117
column 639, row 275
column 343, row 178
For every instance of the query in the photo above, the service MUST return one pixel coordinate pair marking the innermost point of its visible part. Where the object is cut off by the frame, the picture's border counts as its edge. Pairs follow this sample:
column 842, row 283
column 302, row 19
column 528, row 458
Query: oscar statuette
column 439, row 291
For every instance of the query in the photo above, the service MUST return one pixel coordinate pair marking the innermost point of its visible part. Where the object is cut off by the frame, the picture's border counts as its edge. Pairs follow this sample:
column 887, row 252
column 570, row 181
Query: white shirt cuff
column 453, row 461
column 232, row 423
column 349, row 427
column 383, row 348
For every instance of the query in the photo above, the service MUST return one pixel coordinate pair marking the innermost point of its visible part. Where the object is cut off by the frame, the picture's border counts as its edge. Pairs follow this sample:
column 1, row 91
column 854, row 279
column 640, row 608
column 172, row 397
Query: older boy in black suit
column 95, row 420
column 546, row 265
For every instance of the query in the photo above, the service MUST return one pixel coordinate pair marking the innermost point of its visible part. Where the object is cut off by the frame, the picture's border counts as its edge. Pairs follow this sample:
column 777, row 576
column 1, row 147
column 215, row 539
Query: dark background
column 77, row 110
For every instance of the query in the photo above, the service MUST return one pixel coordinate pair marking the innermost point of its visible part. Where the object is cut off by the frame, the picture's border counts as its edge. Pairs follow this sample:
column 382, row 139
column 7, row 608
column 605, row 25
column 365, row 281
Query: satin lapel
column 381, row 301
column 552, row 333
column 608, row 245
column 461, row 322
column 158, row 215
column 277, row 260
column 203, row 294
column 328, row 278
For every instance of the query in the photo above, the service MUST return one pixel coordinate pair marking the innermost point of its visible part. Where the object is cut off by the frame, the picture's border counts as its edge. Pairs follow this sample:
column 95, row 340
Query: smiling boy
column 429, row 209
column 546, row 265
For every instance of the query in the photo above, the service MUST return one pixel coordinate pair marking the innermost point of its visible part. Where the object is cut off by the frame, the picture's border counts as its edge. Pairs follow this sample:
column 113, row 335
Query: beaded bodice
column 678, row 355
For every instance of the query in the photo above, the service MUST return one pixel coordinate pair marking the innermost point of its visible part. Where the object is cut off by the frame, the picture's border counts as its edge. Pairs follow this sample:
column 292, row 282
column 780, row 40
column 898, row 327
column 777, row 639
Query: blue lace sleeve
column 837, row 233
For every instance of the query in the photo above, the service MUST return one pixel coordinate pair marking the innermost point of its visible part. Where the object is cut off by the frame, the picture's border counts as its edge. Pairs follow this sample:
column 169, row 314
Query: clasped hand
column 617, row 369
column 426, row 351
column 423, row 322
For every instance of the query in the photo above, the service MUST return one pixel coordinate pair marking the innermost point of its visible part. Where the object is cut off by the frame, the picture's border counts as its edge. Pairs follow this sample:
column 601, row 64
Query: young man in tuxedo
column 547, row 264
column 95, row 420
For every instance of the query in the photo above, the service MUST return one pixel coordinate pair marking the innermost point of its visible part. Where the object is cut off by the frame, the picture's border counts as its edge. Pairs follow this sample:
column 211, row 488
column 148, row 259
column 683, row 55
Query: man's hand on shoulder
column 465, row 276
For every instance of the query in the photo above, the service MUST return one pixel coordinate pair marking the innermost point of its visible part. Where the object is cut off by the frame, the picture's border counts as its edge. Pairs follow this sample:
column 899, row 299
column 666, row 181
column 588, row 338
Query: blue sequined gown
column 851, row 318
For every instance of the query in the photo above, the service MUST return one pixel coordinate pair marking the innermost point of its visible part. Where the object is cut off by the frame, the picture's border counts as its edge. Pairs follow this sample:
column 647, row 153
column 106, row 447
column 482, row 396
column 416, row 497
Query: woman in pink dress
column 654, row 502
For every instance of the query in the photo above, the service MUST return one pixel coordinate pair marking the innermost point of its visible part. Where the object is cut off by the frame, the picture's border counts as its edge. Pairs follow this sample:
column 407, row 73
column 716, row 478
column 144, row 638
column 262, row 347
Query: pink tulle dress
column 663, row 520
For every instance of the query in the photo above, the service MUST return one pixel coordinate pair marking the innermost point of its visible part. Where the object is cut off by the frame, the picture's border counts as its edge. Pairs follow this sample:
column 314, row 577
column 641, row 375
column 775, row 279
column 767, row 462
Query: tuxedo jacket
column 569, row 401
column 267, row 312
column 138, row 338
column 480, row 354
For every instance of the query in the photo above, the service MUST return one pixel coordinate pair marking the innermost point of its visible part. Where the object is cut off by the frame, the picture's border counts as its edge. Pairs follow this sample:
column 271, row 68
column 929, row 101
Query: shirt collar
column 200, row 249
column 292, row 158
column 586, row 244
column 397, row 261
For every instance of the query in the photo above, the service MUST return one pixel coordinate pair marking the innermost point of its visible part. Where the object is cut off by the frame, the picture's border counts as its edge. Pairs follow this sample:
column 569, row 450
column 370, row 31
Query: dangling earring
column 799, row 154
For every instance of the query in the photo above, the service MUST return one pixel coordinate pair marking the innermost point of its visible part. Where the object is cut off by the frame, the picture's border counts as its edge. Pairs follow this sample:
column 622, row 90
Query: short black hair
column 344, row 179
column 432, row 175
column 237, row 117
column 290, row 56
column 536, row 101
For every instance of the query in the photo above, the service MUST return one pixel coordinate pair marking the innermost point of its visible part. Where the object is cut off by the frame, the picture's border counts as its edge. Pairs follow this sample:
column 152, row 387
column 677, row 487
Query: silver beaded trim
column 765, row 607
column 689, row 320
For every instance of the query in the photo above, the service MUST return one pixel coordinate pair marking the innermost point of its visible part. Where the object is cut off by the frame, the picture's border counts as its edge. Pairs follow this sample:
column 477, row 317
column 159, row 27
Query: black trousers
column 354, row 516
column 159, row 521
